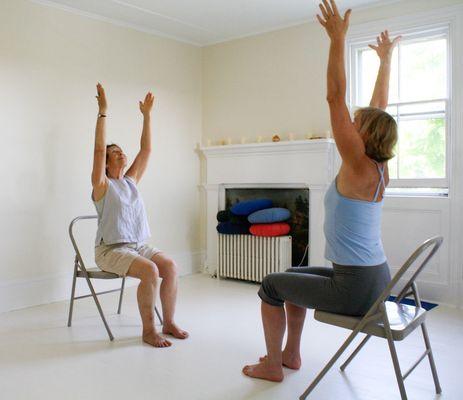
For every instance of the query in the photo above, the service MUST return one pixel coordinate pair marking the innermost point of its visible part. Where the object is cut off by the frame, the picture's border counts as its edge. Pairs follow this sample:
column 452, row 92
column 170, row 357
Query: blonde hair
column 380, row 132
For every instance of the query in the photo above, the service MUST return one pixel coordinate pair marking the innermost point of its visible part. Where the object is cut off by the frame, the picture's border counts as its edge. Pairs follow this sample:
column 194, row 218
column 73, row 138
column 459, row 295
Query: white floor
column 41, row 358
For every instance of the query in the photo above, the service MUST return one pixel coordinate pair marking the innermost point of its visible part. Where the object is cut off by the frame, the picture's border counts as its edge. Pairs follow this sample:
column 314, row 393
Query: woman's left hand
column 147, row 105
column 385, row 46
column 335, row 25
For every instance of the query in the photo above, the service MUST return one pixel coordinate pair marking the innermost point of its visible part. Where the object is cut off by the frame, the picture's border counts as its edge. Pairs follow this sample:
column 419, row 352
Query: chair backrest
column 78, row 259
column 432, row 245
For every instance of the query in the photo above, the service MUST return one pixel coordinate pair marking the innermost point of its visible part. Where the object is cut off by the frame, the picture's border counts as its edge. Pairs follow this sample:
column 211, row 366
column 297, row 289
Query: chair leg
column 329, row 364
column 120, row 297
column 431, row 358
column 355, row 352
column 159, row 315
column 111, row 337
column 395, row 359
column 73, row 291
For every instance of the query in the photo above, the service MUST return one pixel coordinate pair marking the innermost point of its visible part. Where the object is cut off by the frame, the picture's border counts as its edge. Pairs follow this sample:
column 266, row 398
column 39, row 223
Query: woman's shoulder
column 360, row 184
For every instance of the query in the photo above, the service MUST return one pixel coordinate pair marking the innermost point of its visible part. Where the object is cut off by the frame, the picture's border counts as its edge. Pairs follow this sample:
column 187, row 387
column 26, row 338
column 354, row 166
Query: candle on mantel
column 229, row 141
column 243, row 140
column 259, row 139
column 291, row 136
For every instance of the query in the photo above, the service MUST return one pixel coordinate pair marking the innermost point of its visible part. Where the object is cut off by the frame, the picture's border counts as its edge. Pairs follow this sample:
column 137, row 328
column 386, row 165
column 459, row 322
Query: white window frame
column 411, row 28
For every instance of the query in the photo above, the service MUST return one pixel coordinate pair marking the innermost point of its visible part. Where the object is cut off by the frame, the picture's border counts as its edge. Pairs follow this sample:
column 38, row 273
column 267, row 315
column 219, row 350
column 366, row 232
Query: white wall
column 50, row 61
column 276, row 83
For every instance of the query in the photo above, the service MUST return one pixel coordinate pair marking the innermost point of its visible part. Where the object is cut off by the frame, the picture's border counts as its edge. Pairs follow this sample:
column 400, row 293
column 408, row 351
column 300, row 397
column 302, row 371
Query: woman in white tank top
column 123, row 226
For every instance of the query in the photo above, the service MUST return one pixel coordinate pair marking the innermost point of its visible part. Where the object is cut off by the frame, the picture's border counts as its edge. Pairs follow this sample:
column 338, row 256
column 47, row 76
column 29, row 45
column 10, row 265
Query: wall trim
column 22, row 293
column 116, row 22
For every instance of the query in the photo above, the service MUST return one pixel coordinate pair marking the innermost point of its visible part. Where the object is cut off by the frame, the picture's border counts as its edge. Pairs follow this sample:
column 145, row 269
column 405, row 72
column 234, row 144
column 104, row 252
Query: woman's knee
column 150, row 272
column 168, row 269
column 172, row 268
column 269, row 292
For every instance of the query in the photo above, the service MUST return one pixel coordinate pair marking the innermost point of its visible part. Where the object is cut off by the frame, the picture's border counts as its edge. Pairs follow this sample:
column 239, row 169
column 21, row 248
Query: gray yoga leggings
column 349, row 290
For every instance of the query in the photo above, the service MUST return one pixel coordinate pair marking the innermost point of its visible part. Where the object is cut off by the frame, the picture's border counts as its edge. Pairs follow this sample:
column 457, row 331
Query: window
column 418, row 100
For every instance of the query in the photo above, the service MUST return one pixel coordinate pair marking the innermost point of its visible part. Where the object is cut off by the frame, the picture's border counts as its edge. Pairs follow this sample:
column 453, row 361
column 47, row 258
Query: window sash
column 354, row 66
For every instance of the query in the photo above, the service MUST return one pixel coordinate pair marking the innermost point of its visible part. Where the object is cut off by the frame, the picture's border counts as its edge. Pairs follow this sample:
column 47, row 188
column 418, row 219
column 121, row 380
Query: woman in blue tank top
column 123, row 226
column 353, row 205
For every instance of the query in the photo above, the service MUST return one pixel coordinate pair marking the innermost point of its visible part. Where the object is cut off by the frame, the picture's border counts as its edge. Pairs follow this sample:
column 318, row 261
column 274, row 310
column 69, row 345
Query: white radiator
column 252, row 257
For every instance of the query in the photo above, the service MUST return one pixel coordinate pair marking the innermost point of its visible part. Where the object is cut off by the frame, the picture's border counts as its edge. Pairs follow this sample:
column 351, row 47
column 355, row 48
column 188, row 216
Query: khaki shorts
column 117, row 258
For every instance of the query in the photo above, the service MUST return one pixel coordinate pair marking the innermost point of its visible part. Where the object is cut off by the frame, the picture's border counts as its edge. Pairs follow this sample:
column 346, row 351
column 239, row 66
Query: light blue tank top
column 121, row 214
column 353, row 228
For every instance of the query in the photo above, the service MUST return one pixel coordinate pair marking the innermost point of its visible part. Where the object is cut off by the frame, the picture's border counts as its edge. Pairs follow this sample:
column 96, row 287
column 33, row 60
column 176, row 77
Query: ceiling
column 203, row 22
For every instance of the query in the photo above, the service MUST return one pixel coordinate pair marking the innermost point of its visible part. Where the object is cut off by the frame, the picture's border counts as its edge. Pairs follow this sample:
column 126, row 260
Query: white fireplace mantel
column 308, row 163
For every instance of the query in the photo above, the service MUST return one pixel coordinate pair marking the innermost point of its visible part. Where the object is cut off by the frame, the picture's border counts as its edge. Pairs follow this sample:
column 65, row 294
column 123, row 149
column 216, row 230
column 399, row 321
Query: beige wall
column 50, row 61
column 275, row 82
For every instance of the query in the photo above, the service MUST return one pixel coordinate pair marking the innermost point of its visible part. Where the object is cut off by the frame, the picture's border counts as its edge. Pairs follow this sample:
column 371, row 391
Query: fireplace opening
column 296, row 200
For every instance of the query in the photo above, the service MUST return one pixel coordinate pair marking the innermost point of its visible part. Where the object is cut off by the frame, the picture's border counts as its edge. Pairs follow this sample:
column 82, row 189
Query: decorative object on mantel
column 313, row 136
column 259, row 139
column 228, row 141
column 275, row 138
column 291, row 136
column 243, row 140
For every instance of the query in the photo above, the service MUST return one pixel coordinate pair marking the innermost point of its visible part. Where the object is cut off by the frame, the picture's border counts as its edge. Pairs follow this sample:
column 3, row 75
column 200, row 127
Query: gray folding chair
column 81, row 271
column 389, row 320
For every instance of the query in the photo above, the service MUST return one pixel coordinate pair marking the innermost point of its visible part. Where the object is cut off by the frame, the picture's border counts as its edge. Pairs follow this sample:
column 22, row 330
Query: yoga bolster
column 277, row 229
column 269, row 216
column 250, row 206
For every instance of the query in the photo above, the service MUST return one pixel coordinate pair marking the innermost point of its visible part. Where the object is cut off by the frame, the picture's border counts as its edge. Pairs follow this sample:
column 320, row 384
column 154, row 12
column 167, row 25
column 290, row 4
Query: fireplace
column 308, row 165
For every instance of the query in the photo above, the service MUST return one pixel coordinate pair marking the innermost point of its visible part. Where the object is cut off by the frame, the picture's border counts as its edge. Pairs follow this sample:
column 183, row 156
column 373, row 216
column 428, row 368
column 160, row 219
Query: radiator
column 252, row 257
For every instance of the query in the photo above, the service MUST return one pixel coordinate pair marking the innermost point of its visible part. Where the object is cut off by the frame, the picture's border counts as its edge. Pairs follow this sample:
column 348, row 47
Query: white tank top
column 121, row 214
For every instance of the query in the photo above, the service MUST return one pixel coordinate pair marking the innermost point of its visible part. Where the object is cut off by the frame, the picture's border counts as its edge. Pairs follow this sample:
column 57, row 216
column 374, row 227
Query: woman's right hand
column 335, row 25
column 101, row 98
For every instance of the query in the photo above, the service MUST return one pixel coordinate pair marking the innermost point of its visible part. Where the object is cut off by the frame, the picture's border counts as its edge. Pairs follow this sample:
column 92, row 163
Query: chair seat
column 403, row 319
column 96, row 273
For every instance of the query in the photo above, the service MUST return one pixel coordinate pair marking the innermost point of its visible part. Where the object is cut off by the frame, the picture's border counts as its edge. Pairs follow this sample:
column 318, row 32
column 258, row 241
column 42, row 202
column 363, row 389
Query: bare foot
column 289, row 361
column 156, row 340
column 264, row 371
column 174, row 330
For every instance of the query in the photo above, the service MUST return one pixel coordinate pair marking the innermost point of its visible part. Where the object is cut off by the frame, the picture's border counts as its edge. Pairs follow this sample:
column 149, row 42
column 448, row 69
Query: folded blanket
column 223, row 216
column 229, row 228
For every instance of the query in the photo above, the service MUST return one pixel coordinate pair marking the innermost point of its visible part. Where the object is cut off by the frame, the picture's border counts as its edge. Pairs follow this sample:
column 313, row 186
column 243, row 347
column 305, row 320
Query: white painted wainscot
column 407, row 221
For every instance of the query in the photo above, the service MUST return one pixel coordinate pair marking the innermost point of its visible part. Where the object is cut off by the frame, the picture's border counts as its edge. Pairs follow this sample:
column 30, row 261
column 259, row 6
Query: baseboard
column 23, row 293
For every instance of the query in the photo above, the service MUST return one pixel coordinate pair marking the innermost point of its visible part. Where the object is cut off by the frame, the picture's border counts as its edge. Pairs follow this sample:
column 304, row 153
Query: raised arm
column 138, row 166
column 384, row 50
column 348, row 140
column 99, row 180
